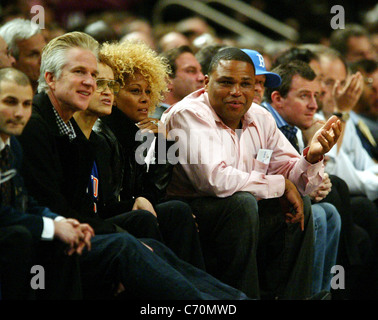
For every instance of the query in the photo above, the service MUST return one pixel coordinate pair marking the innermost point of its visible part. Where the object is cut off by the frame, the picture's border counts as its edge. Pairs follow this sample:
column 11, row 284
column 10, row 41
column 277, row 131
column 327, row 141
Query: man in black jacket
column 27, row 230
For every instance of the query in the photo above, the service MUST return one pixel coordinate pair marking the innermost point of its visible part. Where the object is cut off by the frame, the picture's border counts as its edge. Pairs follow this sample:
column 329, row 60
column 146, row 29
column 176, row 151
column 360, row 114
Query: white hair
column 54, row 55
column 16, row 30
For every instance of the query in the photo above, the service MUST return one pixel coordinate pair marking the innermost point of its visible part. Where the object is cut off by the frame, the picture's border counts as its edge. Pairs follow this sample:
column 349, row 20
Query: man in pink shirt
column 244, row 181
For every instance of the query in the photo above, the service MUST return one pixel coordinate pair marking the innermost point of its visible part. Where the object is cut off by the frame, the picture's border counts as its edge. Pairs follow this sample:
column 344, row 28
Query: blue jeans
column 327, row 225
column 121, row 258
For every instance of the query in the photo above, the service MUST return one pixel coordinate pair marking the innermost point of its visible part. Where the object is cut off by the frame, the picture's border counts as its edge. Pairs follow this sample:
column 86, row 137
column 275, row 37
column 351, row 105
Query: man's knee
column 244, row 204
column 175, row 209
column 332, row 216
column 144, row 216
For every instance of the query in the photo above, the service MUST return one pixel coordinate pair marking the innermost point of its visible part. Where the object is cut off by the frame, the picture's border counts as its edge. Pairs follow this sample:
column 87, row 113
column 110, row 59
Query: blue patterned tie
column 6, row 186
column 291, row 135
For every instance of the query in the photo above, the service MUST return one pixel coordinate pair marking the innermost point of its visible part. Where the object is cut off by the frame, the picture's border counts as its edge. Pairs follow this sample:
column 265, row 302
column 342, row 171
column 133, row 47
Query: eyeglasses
column 113, row 85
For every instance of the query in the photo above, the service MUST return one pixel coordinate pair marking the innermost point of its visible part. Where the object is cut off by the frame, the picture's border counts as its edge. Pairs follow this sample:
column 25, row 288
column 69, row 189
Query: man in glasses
column 340, row 93
column 365, row 112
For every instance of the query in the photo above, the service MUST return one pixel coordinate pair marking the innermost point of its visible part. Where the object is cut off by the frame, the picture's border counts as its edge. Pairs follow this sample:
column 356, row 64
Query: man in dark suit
column 26, row 229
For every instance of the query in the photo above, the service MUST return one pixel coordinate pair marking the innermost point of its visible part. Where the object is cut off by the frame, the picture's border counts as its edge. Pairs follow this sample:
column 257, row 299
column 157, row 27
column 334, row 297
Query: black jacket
column 56, row 171
column 24, row 210
column 137, row 180
column 110, row 166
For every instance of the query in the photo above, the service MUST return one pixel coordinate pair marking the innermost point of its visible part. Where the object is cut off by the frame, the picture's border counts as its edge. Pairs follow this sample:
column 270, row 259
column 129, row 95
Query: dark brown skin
column 292, row 199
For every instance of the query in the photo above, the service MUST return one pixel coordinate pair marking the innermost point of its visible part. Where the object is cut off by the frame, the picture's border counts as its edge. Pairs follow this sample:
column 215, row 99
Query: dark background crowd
column 194, row 29
column 310, row 19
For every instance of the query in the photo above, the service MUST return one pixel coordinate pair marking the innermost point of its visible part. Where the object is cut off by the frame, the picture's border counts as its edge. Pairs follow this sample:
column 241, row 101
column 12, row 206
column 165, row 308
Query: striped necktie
column 366, row 132
column 6, row 186
column 291, row 134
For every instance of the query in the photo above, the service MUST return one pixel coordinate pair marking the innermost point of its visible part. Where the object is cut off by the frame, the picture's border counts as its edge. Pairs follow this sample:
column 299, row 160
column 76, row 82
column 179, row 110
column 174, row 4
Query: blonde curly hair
column 130, row 57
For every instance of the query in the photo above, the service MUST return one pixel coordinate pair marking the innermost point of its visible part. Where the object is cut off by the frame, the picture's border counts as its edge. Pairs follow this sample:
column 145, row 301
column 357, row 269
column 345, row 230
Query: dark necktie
column 6, row 186
column 291, row 135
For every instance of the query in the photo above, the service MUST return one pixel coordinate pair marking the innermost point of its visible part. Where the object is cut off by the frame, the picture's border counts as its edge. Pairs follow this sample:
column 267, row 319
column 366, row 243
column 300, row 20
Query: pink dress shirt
column 217, row 161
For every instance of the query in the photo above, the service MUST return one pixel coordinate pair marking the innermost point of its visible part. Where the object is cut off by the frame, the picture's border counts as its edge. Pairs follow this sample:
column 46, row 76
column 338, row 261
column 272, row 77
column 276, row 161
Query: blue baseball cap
column 273, row 80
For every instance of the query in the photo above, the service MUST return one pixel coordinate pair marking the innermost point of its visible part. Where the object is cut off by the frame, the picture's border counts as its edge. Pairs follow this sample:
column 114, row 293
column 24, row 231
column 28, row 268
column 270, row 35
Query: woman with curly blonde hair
column 132, row 60
column 143, row 77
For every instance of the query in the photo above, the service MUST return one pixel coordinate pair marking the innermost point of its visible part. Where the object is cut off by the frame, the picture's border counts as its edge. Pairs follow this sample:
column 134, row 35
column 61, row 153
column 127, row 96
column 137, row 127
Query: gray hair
column 16, row 30
column 54, row 54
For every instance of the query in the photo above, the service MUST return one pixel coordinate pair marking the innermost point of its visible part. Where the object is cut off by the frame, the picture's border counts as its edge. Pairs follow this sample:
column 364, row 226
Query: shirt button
column 276, row 194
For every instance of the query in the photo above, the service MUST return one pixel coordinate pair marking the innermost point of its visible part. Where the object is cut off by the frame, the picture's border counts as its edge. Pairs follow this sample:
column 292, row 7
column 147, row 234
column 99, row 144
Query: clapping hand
column 347, row 96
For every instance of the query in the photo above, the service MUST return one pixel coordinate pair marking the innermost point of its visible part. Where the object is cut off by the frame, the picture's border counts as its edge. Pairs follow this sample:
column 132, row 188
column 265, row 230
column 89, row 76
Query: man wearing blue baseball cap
column 263, row 78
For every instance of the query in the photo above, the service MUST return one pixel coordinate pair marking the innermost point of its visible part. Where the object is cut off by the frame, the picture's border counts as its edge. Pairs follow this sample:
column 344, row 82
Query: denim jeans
column 121, row 258
column 327, row 226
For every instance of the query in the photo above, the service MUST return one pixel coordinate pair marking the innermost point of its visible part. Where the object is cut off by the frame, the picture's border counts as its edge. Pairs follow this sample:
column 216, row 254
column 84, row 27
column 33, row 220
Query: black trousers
column 62, row 272
column 238, row 234
column 357, row 248
column 16, row 252
column 174, row 226
column 58, row 274
column 365, row 214
column 354, row 241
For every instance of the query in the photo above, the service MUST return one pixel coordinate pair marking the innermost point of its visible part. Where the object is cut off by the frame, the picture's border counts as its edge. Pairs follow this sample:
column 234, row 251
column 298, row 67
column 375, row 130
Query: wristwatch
column 344, row 116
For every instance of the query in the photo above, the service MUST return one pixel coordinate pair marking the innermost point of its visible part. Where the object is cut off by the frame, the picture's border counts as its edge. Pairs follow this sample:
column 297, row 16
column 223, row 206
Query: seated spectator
column 239, row 233
column 101, row 31
column 193, row 27
column 172, row 39
column 25, row 41
column 350, row 161
column 56, row 169
column 340, row 93
column 31, row 234
column 205, row 54
column 106, row 182
column 354, row 241
column 6, row 58
column 291, row 114
column 185, row 77
column 365, row 113
column 353, row 43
